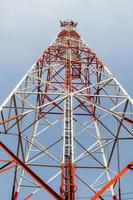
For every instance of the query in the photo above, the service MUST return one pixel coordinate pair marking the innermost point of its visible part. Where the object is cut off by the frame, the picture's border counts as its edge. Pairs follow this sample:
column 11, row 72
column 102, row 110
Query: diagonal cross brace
column 112, row 181
column 30, row 172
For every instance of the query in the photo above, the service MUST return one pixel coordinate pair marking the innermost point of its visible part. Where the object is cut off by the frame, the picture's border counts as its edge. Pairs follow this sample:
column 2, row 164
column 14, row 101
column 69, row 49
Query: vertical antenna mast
column 68, row 181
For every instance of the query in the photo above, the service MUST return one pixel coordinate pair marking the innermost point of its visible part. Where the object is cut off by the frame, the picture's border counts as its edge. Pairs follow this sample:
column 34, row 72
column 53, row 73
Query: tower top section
column 68, row 29
column 68, row 25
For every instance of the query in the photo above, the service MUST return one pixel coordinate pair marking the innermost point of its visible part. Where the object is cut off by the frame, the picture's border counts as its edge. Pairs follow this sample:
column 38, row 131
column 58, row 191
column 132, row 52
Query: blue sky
column 28, row 26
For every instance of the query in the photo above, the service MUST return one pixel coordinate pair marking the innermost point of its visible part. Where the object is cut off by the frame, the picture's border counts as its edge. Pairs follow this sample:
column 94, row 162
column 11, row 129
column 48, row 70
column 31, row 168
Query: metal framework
column 113, row 180
column 65, row 125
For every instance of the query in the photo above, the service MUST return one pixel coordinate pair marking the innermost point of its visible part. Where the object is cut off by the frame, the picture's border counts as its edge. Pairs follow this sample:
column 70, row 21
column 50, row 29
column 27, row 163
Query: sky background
column 27, row 27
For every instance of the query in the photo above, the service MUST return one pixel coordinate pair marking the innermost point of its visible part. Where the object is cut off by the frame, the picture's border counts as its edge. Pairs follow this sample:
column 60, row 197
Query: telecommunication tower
column 67, row 127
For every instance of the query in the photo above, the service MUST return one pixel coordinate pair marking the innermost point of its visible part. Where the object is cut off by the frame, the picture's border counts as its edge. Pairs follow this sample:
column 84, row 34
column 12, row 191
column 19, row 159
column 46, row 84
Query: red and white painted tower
column 64, row 124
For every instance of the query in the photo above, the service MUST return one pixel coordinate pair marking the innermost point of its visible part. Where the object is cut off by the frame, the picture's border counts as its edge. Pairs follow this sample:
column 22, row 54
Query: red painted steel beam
column 30, row 172
column 7, row 168
column 128, row 120
column 10, row 119
column 112, row 181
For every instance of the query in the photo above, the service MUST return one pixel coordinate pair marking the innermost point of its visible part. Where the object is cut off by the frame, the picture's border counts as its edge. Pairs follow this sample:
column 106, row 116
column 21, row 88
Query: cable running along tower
column 64, row 127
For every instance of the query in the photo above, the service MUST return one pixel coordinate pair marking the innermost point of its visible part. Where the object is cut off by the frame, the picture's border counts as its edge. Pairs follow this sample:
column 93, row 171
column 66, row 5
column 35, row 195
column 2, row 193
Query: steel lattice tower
column 65, row 125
